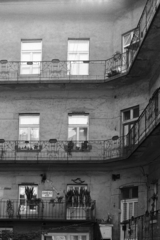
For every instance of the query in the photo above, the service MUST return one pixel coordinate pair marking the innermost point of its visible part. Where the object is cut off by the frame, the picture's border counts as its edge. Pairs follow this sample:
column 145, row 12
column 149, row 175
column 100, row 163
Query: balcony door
column 78, row 56
column 31, row 56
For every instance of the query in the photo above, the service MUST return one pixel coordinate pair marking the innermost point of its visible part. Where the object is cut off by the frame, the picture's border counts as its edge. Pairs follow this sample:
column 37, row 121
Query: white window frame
column 65, row 236
column 23, row 207
column 128, row 202
column 128, row 57
column 78, row 126
column 128, row 123
column 29, row 126
column 132, row 201
column 74, row 65
column 30, row 65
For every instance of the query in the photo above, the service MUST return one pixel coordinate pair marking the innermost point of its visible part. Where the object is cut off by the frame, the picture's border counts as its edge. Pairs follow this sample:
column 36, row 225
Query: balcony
column 61, row 71
column 55, row 150
column 57, row 71
column 142, row 227
column 22, row 210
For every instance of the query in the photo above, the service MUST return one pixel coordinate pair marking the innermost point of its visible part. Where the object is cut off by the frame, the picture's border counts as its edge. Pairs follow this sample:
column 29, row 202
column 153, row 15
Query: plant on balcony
column 52, row 201
column 29, row 191
column 69, row 147
column 114, row 70
column 10, row 208
column 75, row 198
column 58, row 199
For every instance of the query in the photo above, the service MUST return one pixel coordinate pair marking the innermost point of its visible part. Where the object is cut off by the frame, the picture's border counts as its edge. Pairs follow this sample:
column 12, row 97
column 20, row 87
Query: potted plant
column 29, row 191
column 78, row 203
column 114, row 70
column 10, row 209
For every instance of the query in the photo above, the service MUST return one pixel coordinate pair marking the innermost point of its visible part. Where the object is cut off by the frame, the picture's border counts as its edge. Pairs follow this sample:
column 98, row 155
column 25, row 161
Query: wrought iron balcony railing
column 142, row 227
column 99, row 150
column 142, row 28
column 101, row 70
column 22, row 209
column 57, row 70
column 146, row 122
column 55, row 150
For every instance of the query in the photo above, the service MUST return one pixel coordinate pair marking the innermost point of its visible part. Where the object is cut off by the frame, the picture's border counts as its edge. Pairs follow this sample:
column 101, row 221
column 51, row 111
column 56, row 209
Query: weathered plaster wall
column 103, row 189
column 54, row 103
column 54, row 22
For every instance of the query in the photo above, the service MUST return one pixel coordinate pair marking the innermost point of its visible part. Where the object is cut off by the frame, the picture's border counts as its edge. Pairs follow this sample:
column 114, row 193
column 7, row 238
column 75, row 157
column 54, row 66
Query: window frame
column 29, row 126
column 78, row 126
column 31, row 62
column 129, row 123
column 23, row 207
column 67, row 235
column 78, row 54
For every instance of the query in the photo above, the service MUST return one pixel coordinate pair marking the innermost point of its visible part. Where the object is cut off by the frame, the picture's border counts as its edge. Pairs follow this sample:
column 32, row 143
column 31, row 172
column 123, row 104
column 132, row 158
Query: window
column 26, row 206
column 129, row 202
column 31, row 56
column 78, row 127
column 129, row 209
column 78, row 56
column 126, row 43
column 3, row 231
column 154, row 197
column 129, row 192
column 66, row 236
column 129, row 117
column 29, row 127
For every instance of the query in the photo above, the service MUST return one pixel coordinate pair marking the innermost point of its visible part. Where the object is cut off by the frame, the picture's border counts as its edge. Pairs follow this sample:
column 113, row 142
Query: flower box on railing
column 77, row 147
column 28, row 147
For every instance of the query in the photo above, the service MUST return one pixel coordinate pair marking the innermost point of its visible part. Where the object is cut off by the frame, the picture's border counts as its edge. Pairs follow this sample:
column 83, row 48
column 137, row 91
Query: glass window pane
column 60, row 237
column 74, row 237
column 126, row 115
column 78, row 120
column 26, row 56
column 29, row 120
column 49, row 237
column 82, row 134
column 135, row 192
column 24, row 134
column 126, row 129
column 83, row 237
column 31, row 45
column 136, row 112
column 36, row 56
column 72, row 134
column 135, row 209
column 34, row 134
column 78, row 46
column 73, row 57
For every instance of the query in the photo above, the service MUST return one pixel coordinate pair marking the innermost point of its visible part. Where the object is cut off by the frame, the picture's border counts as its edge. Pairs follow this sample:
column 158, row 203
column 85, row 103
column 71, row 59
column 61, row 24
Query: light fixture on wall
column 115, row 177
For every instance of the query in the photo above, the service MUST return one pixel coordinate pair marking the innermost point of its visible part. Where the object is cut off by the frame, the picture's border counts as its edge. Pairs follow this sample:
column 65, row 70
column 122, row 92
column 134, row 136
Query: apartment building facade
column 79, row 118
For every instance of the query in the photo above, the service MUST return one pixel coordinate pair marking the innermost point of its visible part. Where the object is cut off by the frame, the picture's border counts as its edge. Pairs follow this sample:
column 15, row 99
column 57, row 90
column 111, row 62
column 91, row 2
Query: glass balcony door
column 31, row 55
